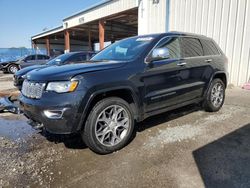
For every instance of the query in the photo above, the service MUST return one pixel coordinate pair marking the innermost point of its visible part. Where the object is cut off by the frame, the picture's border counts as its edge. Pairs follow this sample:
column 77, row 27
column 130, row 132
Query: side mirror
column 159, row 54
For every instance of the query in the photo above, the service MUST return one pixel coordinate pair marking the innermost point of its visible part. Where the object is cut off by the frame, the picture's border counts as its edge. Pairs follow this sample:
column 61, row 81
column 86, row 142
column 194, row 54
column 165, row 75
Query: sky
column 21, row 19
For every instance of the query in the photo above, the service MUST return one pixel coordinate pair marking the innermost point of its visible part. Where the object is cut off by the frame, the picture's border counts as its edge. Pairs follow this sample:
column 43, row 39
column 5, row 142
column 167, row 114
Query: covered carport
column 92, row 28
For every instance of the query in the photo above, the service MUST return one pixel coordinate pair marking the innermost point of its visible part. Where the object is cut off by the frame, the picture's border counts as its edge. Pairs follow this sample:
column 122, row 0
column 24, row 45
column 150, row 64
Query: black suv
column 125, row 83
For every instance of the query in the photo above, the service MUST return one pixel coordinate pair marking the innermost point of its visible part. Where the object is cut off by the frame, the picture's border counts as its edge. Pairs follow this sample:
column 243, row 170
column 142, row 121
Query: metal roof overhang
column 48, row 32
column 99, row 11
column 110, row 10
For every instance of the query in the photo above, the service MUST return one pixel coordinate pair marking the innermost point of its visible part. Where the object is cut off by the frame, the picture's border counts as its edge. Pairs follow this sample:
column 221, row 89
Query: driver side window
column 173, row 46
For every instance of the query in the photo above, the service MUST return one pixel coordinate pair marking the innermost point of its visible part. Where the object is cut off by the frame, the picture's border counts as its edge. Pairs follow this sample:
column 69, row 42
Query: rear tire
column 13, row 69
column 215, row 96
column 109, row 126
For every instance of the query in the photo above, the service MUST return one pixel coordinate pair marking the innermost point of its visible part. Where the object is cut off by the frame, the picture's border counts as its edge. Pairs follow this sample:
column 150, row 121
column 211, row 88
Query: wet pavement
column 183, row 148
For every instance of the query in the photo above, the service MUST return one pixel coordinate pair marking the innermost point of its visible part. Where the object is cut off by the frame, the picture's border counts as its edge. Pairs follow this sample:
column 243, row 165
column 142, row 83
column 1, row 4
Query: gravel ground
column 183, row 148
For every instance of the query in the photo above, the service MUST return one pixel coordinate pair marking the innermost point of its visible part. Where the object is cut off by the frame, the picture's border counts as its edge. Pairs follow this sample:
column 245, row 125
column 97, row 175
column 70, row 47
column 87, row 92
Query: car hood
column 66, row 72
column 28, row 69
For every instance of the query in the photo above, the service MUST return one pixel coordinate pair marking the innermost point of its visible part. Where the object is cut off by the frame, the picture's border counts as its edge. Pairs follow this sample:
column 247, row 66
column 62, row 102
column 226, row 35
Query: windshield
column 59, row 60
column 124, row 50
column 22, row 58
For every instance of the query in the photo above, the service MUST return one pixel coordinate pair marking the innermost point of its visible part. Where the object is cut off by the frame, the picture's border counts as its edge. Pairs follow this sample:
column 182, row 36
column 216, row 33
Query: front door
column 29, row 61
column 166, row 80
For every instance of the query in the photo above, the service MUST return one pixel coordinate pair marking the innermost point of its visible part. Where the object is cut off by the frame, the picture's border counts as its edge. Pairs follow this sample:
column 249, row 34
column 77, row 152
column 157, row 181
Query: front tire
column 13, row 69
column 215, row 96
column 109, row 126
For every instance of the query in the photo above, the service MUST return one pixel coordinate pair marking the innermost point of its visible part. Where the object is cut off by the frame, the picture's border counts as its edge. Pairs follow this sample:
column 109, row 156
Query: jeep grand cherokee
column 125, row 83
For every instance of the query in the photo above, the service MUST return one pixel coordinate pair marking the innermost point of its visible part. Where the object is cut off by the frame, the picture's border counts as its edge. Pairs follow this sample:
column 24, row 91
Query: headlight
column 62, row 87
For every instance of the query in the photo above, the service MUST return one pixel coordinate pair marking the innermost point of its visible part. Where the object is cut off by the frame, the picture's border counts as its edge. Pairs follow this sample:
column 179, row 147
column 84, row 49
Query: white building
column 226, row 21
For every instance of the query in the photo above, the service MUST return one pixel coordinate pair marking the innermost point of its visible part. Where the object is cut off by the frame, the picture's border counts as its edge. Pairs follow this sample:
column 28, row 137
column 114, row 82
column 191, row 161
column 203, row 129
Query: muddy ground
column 183, row 148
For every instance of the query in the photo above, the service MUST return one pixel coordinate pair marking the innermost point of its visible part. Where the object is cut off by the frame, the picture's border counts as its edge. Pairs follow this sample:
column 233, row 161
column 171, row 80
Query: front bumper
column 70, row 103
column 3, row 68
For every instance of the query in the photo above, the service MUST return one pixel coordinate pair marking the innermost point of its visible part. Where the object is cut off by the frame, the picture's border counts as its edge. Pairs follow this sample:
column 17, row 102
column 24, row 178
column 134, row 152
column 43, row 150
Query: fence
column 12, row 54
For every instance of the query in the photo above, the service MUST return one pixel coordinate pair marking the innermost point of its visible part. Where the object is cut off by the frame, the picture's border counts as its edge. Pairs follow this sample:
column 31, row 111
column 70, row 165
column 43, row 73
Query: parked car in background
column 125, row 83
column 4, row 65
column 69, row 58
column 13, row 66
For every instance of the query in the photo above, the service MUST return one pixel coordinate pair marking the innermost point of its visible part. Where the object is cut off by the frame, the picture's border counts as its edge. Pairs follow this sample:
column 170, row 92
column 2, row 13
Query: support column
column 34, row 46
column 47, row 45
column 101, row 34
column 90, row 42
column 67, row 41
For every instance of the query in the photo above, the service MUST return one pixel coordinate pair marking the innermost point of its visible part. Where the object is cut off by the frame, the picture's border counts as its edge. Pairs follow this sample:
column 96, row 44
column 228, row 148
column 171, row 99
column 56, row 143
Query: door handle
column 208, row 60
column 181, row 64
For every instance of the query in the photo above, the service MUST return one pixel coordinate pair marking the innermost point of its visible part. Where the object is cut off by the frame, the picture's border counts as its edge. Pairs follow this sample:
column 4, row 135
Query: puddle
column 14, row 129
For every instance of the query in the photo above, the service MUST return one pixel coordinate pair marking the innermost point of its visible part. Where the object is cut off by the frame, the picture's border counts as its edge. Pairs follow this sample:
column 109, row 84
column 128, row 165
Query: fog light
column 54, row 114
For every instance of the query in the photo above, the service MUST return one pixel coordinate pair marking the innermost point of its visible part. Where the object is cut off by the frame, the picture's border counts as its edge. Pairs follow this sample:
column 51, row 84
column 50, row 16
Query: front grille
column 32, row 89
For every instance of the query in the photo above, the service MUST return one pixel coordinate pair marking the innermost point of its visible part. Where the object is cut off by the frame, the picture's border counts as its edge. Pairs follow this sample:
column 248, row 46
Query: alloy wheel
column 217, row 94
column 112, row 125
column 13, row 69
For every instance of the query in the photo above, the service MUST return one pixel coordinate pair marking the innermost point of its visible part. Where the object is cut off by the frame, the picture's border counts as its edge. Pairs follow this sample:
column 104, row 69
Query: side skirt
column 162, row 110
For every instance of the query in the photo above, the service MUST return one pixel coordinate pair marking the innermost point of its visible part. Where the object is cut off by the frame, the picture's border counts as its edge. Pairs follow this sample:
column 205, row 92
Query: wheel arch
column 221, row 75
column 17, row 65
column 126, row 93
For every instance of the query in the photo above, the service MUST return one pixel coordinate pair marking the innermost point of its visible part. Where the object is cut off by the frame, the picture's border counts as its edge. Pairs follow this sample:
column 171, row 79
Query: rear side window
column 40, row 57
column 31, row 57
column 78, row 58
column 83, row 57
column 209, row 47
column 173, row 45
column 46, row 57
column 191, row 47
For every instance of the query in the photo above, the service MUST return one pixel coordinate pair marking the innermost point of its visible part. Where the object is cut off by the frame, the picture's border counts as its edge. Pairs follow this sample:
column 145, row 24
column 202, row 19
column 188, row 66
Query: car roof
column 175, row 33
column 82, row 52
column 178, row 33
column 37, row 54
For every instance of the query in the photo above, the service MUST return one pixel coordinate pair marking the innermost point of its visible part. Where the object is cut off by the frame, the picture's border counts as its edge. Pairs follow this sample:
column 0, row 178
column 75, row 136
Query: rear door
column 212, row 56
column 198, row 67
column 41, row 59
